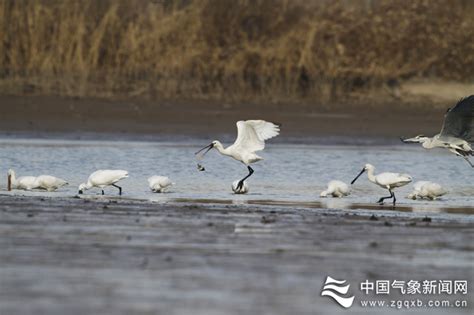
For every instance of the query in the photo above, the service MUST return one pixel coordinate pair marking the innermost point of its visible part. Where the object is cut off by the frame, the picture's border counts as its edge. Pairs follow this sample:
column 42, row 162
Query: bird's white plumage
column 427, row 190
column 251, row 134
column 49, row 183
column 103, row 178
column 243, row 190
column 385, row 180
column 392, row 180
column 22, row 182
column 336, row 188
column 159, row 183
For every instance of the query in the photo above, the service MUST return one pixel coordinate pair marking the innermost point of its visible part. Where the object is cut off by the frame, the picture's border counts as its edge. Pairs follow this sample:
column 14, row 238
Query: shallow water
column 291, row 174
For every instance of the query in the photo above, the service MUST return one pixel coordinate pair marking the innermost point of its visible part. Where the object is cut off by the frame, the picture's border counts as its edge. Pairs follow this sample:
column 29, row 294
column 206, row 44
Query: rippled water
column 290, row 173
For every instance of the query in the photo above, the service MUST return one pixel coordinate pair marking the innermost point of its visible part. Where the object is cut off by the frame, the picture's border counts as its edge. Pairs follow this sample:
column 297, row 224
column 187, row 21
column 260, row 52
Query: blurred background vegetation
column 233, row 50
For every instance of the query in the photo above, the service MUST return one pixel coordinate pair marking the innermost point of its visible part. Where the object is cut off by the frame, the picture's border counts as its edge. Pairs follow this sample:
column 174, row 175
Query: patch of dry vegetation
column 231, row 49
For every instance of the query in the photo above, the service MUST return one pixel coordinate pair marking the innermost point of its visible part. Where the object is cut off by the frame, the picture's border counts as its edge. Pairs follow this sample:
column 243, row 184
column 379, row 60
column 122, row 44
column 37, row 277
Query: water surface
column 291, row 174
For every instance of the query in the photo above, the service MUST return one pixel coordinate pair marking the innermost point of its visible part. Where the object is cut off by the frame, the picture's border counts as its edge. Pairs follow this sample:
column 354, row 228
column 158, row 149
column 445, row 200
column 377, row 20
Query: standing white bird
column 457, row 133
column 427, row 189
column 49, row 183
column 104, row 178
column 385, row 180
column 251, row 136
column 336, row 188
column 242, row 190
column 159, row 184
column 22, row 182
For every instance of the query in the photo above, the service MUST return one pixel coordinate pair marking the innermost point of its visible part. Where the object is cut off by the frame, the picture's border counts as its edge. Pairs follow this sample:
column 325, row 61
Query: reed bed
column 234, row 50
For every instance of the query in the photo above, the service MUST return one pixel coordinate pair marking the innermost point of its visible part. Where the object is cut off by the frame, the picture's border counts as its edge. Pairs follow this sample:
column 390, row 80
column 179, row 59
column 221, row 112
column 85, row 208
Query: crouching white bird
column 336, row 188
column 159, row 184
column 22, row 182
column 49, row 183
column 427, row 190
column 385, row 180
column 251, row 136
column 104, row 178
column 242, row 190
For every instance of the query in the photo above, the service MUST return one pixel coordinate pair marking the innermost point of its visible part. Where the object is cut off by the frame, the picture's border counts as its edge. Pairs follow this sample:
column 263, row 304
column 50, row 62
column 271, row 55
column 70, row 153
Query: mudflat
column 116, row 256
column 34, row 114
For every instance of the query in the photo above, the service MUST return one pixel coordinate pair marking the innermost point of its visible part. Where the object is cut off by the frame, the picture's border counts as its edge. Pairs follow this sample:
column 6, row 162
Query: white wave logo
column 332, row 285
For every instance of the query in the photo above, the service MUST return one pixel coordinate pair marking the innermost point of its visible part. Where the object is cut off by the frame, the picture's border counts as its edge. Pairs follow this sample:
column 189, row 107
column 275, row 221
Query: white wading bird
column 457, row 133
column 242, row 190
column 336, row 188
column 427, row 189
column 22, row 182
column 104, row 178
column 385, row 180
column 251, row 136
column 159, row 184
column 49, row 183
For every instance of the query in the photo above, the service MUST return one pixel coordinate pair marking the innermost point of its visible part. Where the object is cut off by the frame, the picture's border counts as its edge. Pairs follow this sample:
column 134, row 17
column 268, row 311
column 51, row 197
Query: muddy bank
column 35, row 115
column 129, row 257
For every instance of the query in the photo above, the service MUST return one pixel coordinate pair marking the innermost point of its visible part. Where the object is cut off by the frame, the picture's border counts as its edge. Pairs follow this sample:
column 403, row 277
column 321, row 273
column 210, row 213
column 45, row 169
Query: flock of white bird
column 457, row 135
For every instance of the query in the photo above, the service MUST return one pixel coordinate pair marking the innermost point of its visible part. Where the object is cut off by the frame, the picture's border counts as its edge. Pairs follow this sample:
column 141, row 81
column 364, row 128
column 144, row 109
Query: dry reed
column 230, row 49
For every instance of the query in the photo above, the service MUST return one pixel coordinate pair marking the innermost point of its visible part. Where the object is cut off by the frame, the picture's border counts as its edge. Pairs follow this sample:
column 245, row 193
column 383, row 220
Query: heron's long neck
column 370, row 175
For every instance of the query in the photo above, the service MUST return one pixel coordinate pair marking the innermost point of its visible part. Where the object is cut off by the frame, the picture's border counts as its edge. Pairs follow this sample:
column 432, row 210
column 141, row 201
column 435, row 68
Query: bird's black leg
column 103, row 192
column 383, row 198
column 241, row 182
column 119, row 188
column 394, row 199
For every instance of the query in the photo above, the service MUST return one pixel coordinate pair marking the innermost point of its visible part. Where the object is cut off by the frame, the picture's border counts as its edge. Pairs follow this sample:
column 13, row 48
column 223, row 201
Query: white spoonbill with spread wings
column 385, row 180
column 251, row 136
column 457, row 133
column 159, row 184
column 104, row 178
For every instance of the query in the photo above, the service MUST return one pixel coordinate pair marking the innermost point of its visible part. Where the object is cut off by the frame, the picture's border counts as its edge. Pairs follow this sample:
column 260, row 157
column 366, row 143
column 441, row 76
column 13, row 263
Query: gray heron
column 457, row 133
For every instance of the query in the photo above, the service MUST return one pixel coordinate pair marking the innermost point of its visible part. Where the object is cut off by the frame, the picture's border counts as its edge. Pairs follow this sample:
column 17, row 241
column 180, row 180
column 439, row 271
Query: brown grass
column 232, row 50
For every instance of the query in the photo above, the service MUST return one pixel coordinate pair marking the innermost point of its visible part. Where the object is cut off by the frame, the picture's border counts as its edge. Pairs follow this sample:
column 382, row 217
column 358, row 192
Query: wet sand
column 129, row 118
column 115, row 256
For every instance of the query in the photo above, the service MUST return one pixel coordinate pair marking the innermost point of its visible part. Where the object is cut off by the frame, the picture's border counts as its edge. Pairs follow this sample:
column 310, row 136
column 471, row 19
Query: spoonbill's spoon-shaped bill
column 388, row 181
column 208, row 147
column 251, row 136
column 104, row 178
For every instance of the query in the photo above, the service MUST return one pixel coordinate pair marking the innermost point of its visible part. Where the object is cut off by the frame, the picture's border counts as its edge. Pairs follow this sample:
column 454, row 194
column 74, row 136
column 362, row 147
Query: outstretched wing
column 251, row 134
column 459, row 120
